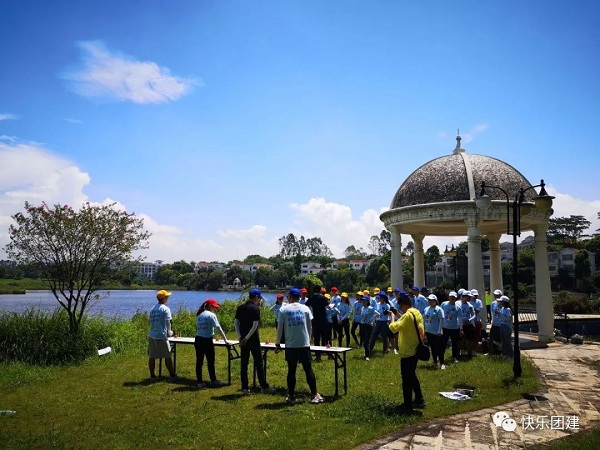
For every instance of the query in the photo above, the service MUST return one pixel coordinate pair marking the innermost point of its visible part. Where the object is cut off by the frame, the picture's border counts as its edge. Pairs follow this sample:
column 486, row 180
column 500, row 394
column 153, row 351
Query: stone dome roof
column 458, row 177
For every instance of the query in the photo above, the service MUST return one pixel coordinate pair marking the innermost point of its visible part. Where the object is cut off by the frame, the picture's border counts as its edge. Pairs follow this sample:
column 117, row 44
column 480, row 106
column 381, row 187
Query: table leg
column 345, row 376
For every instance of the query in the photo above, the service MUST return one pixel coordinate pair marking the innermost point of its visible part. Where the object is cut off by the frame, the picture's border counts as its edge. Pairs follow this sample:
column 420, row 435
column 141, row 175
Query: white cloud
column 8, row 117
column 469, row 136
column 256, row 232
column 116, row 76
column 75, row 121
column 565, row 205
column 333, row 223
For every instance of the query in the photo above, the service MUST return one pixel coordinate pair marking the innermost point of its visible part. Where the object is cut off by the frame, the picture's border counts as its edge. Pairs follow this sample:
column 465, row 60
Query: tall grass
column 41, row 338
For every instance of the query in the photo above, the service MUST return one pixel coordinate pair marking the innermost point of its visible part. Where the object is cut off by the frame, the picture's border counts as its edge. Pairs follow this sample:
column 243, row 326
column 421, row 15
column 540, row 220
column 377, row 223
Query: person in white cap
column 451, row 326
column 468, row 322
column 477, row 305
column 433, row 318
column 495, row 332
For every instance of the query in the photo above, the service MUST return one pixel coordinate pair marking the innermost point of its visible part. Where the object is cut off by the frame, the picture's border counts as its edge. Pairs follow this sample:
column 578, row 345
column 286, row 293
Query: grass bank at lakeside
column 108, row 402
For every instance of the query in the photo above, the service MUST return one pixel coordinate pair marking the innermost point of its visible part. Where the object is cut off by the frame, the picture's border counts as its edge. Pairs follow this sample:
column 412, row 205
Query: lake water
column 121, row 303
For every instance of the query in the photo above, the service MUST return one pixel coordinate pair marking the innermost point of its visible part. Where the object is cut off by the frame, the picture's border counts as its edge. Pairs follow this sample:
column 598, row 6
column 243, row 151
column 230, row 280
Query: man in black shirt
column 247, row 320
column 318, row 305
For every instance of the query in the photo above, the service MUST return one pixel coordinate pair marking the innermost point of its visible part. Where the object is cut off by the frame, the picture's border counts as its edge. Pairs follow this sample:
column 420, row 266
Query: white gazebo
column 438, row 199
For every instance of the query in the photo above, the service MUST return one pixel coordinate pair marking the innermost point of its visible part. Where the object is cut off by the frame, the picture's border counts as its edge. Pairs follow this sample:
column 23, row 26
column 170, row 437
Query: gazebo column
column 419, row 268
column 543, row 289
column 495, row 263
column 475, row 262
column 396, row 269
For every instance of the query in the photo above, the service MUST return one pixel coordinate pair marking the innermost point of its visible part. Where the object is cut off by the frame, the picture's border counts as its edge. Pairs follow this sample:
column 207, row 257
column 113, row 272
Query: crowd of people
column 400, row 319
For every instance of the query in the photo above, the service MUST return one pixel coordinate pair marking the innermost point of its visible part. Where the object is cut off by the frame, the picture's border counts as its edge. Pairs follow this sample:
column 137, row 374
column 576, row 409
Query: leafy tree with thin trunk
column 74, row 250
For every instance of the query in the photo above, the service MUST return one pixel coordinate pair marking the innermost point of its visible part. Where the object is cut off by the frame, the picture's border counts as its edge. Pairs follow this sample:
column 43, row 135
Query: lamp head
column 543, row 202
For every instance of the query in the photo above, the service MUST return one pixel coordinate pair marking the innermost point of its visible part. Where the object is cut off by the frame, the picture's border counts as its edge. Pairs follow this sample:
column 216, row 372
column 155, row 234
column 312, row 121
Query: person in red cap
column 160, row 331
column 275, row 309
column 303, row 296
column 206, row 323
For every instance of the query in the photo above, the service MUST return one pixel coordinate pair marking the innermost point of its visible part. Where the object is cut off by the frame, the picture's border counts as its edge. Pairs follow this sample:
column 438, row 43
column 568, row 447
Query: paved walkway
column 570, row 393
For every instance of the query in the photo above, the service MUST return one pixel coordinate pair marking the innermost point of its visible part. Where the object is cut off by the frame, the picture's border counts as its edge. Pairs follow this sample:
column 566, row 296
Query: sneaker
column 443, row 367
column 454, row 360
column 419, row 404
column 201, row 385
column 245, row 391
column 317, row 399
column 395, row 352
column 290, row 399
column 269, row 390
column 217, row 383
column 154, row 379
column 367, row 358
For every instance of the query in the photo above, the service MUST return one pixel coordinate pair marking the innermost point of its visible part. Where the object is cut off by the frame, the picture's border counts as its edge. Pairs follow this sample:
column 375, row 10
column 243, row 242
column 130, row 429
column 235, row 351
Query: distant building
column 148, row 269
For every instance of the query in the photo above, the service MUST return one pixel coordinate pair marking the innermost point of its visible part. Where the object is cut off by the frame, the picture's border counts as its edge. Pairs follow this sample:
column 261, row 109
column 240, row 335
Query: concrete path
column 568, row 403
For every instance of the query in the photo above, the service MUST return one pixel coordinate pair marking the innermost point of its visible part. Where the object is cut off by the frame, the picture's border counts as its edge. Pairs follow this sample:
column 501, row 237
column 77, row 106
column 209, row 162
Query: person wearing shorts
column 158, row 337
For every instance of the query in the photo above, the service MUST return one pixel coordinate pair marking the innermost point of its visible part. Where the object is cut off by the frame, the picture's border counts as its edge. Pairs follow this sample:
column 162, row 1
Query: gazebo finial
column 458, row 148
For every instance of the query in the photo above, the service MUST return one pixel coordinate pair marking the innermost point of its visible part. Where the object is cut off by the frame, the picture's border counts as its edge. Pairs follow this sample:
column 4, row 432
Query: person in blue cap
column 246, row 323
column 295, row 321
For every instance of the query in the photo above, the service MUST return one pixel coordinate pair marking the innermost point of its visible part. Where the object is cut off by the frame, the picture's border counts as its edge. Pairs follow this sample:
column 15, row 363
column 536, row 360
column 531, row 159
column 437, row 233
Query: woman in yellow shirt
column 408, row 341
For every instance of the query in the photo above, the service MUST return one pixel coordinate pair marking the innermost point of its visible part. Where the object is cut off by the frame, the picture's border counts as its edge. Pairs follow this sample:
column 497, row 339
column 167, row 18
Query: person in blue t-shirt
column 468, row 313
column 369, row 314
column 206, row 322
column 506, row 325
column 452, row 325
column 343, row 319
column 434, row 318
column 381, row 323
column 495, row 331
column 357, row 318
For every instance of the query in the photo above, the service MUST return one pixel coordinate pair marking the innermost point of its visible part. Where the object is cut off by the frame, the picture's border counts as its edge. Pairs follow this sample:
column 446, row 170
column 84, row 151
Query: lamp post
column 452, row 254
column 543, row 202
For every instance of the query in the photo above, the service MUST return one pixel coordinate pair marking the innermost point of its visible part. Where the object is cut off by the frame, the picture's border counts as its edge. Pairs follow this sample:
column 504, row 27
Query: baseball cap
column 389, row 289
column 382, row 295
column 366, row 298
column 212, row 302
column 162, row 294
column 328, row 296
column 461, row 292
column 497, row 292
column 397, row 290
column 474, row 292
column 303, row 291
column 504, row 298
column 323, row 290
column 360, row 293
column 334, row 289
column 344, row 294
column 255, row 292
column 432, row 297
column 366, row 292
column 279, row 296
column 452, row 294
column 295, row 292
column 376, row 290
column 467, row 293
column 415, row 288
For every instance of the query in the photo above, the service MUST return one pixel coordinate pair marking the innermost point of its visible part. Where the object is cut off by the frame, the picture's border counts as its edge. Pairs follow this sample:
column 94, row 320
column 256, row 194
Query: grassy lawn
column 107, row 402
column 587, row 440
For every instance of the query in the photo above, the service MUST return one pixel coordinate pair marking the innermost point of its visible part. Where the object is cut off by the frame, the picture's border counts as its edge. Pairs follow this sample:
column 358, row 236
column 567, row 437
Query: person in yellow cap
column 357, row 318
column 343, row 319
column 160, row 331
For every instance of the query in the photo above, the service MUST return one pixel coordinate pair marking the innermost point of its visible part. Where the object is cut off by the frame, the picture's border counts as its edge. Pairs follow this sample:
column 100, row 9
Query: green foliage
column 567, row 231
column 575, row 304
column 73, row 250
column 39, row 338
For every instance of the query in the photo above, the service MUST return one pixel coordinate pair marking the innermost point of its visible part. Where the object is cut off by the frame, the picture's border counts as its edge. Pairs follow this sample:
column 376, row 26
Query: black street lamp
column 543, row 202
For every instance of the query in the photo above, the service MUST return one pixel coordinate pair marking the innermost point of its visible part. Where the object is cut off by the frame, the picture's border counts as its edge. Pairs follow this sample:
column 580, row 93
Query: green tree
column 567, row 231
column 75, row 249
column 262, row 276
column 432, row 256
column 582, row 264
column 214, row 281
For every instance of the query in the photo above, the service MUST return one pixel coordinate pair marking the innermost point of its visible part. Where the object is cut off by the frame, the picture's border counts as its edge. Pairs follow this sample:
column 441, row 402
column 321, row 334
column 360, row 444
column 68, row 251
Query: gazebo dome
column 458, row 177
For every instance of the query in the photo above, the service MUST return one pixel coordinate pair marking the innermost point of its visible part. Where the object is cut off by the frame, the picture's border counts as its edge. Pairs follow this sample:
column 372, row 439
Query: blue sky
column 227, row 125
